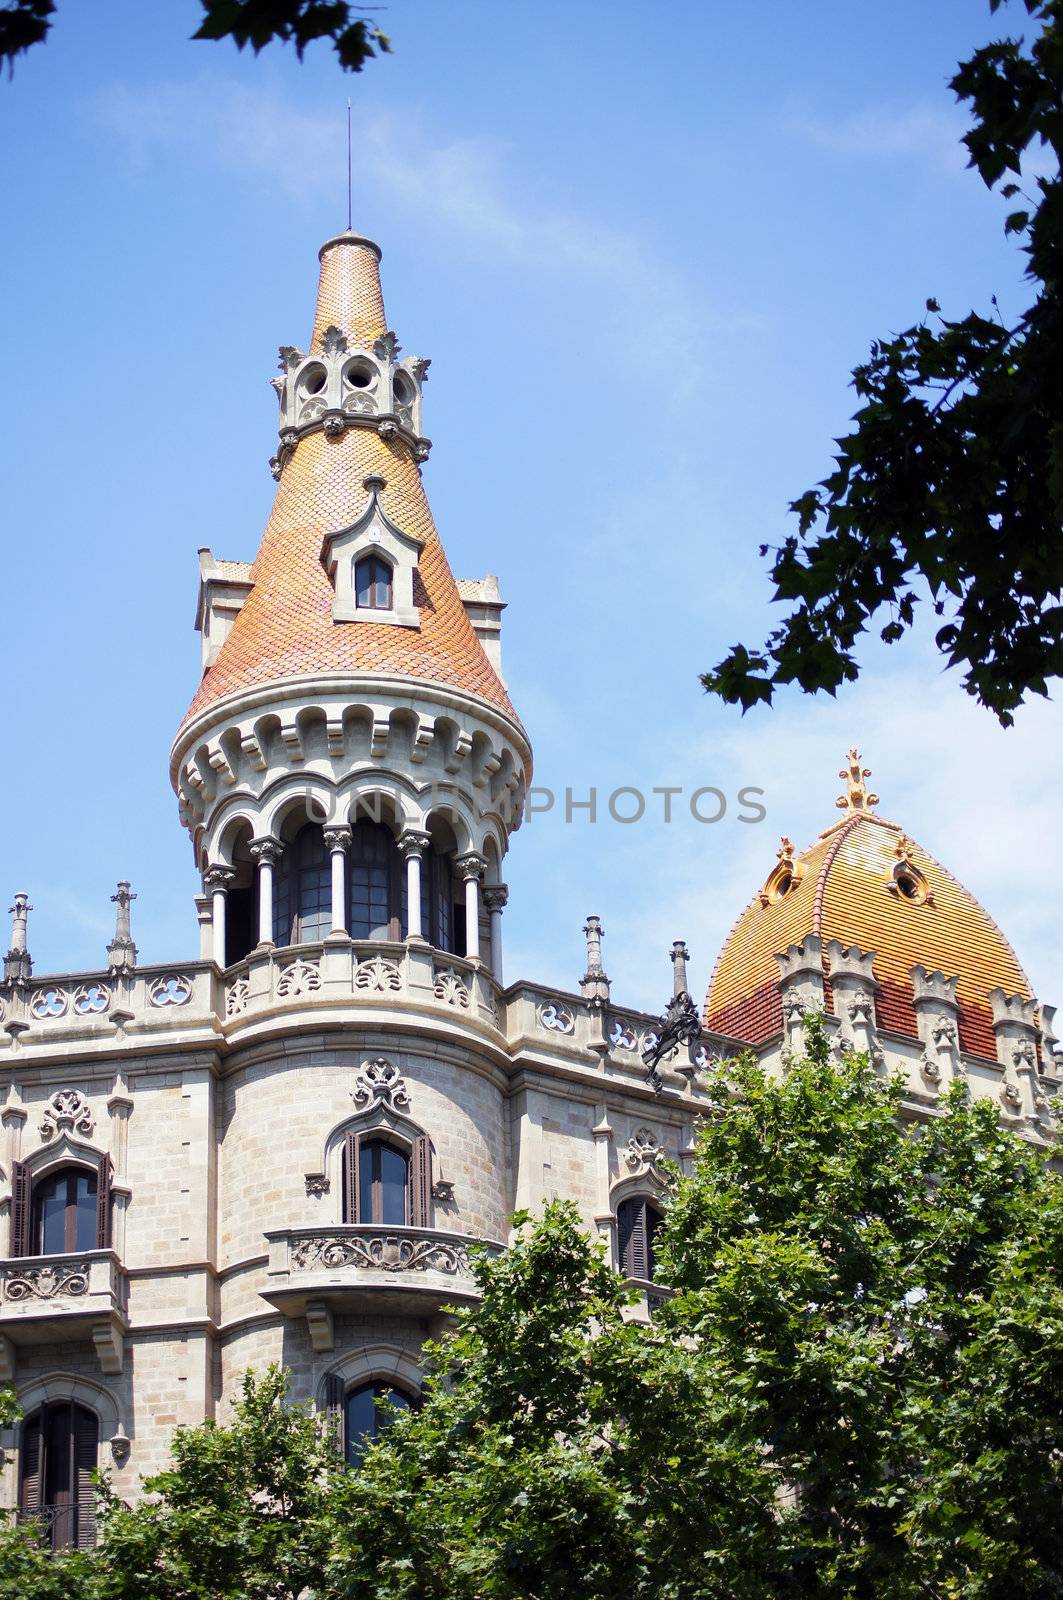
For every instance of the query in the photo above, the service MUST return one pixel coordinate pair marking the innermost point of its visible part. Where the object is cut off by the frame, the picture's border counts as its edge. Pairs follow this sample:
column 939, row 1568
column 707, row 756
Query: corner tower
column 351, row 764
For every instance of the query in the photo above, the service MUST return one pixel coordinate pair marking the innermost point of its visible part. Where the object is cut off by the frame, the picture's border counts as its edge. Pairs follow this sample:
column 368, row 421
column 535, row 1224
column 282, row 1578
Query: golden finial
column 785, row 851
column 903, row 848
column 856, row 797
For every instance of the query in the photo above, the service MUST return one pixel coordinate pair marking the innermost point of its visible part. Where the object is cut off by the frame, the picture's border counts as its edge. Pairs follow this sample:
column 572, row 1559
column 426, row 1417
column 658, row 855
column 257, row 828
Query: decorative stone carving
column 91, row 999
column 645, row 1156
column 443, row 1191
column 450, row 989
column 173, row 990
column 1024, row 1054
column 555, row 1018
column 377, row 975
column 18, row 966
column 379, row 1083
column 622, row 1035
column 48, row 1003
column 237, row 997
column 122, row 952
column 594, row 985
column 298, row 978
column 317, row 1183
column 381, row 1252
column 66, row 1112
column 58, row 1280
column 333, row 342
column 337, row 838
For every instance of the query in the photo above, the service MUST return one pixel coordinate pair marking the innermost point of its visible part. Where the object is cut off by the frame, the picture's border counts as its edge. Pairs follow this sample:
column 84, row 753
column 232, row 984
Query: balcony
column 53, row 1299
column 364, row 1269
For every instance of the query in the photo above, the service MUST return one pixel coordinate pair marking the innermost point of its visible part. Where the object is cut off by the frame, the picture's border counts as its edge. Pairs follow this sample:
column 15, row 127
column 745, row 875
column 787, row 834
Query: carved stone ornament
column 450, row 989
column 1010, row 1094
column 47, row 1003
column 91, row 999
column 317, row 1183
column 860, row 1010
column 56, row 1281
column 380, row 1083
column 1023, row 1054
column 381, row 1252
column 173, row 990
column 333, row 424
column 943, row 1033
column 298, row 978
column 555, row 1018
column 387, row 347
column 239, row 993
column 66, row 1112
column 622, row 1035
column 644, row 1155
column 443, row 1191
column 333, row 341
column 377, row 975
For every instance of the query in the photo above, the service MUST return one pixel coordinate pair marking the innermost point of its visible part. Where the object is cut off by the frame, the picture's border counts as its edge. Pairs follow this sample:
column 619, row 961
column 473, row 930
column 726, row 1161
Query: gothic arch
column 380, row 1360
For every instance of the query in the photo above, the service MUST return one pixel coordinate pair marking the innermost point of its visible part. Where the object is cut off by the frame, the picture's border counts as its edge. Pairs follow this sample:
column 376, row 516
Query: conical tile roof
column 285, row 628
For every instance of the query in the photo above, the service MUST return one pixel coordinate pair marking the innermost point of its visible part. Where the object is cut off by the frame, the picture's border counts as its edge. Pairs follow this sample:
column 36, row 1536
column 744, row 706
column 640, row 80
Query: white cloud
column 925, row 133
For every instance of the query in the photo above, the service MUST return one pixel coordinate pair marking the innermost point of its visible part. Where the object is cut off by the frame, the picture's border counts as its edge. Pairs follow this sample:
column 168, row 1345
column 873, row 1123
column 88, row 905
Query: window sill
column 397, row 616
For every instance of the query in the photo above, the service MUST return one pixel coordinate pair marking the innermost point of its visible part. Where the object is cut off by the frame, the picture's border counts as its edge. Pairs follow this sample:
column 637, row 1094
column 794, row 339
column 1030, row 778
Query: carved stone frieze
column 57, row 1280
column 377, row 975
column 380, row 1252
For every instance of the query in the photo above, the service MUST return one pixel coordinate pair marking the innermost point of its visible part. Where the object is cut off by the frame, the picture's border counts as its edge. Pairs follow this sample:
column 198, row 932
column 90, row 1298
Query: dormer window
column 372, row 565
column 372, row 584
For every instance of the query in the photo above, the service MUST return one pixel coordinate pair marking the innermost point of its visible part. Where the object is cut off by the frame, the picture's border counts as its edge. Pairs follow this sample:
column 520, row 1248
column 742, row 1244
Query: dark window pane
column 369, row 1157
column 365, row 1420
column 373, row 880
column 394, row 1172
column 85, row 1226
column 372, row 583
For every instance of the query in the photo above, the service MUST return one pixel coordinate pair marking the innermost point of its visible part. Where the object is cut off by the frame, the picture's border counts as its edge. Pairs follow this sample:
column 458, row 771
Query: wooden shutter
column 631, row 1238
column 21, row 1210
column 103, row 1203
column 334, row 1408
column 84, row 1448
column 421, row 1182
column 31, row 1463
column 351, row 1186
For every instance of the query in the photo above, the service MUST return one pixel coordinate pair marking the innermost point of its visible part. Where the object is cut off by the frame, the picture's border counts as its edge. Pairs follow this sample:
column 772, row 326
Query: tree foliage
column 951, row 480
column 855, row 1390
column 355, row 38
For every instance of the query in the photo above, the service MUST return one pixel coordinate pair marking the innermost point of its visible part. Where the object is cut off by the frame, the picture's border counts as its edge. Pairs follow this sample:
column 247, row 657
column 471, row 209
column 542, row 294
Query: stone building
column 281, row 1148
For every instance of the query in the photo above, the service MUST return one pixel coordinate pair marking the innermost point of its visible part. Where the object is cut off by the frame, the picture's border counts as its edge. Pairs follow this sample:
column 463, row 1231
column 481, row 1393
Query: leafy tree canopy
column 855, row 1390
column 355, row 37
column 951, row 480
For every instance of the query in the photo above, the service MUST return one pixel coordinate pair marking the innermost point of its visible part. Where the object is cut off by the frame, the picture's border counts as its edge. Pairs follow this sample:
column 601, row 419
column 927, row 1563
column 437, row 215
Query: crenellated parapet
column 937, row 1015
column 853, row 984
column 800, row 985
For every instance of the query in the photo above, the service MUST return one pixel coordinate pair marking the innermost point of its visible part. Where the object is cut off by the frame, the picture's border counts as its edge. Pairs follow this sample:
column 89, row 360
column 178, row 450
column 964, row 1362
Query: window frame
column 416, row 1152
column 634, row 1237
column 377, row 584
column 76, row 1497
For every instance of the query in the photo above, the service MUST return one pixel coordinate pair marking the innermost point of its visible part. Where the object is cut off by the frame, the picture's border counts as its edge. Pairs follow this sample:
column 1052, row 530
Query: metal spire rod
column 349, row 200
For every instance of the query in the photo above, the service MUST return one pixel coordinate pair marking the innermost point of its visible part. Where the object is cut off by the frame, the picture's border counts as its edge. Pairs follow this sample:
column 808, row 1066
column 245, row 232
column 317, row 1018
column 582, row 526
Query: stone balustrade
column 362, row 1267
column 47, row 1299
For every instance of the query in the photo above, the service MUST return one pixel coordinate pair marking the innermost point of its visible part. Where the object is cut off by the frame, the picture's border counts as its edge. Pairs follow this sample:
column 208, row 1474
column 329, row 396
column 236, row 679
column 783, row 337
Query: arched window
column 437, row 900
column 64, row 1212
column 372, row 584
column 364, row 1420
column 56, row 1461
column 375, row 882
column 637, row 1221
column 387, row 1182
column 302, row 896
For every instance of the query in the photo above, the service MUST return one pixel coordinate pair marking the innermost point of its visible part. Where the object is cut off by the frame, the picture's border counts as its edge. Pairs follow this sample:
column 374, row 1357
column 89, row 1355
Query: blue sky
column 643, row 250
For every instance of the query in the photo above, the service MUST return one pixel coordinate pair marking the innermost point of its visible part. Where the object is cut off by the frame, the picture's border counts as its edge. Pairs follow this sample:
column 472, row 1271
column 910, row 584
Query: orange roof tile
column 285, row 627
column 842, row 894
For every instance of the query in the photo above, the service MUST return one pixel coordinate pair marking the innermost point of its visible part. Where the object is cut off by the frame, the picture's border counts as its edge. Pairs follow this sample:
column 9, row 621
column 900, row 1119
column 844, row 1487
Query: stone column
column 202, row 902
column 495, row 897
column 265, row 853
column 853, row 985
column 122, row 952
column 1015, row 1026
column 13, row 1119
column 337, row 843
column 413, row 845
column 18, row 967
column 216, row 881
column 800, row 986
column 937, row 1016
column 470, row 867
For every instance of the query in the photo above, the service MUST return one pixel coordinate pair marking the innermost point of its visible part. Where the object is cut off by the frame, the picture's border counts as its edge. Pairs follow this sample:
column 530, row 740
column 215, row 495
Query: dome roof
column 865, row 883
